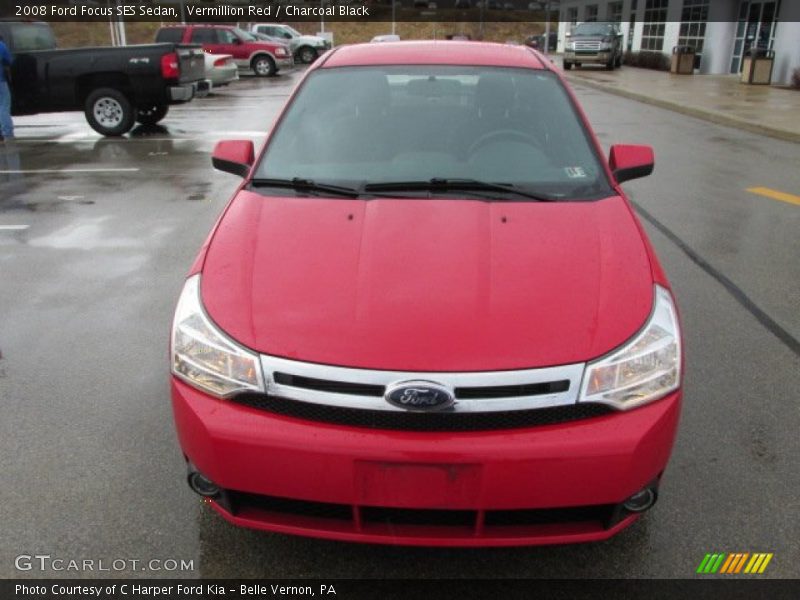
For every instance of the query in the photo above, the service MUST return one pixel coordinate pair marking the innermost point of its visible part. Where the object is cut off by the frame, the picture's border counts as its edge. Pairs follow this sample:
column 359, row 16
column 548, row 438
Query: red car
column 429, row 315
column 263, row 58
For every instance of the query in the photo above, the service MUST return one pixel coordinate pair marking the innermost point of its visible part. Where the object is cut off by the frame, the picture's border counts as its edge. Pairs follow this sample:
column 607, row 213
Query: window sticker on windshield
column 575, row 172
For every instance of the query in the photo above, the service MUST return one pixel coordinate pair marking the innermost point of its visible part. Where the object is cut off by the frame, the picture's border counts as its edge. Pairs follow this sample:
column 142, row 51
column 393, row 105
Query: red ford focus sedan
column 429, row 315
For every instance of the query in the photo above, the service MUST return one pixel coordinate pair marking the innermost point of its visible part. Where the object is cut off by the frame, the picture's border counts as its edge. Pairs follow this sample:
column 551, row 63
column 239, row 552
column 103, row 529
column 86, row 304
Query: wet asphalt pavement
column 92, row 257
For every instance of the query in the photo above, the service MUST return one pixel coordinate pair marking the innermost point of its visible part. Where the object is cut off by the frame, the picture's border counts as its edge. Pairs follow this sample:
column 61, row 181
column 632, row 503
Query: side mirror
column 630, row 162
column 234, row 156
column 237, row 41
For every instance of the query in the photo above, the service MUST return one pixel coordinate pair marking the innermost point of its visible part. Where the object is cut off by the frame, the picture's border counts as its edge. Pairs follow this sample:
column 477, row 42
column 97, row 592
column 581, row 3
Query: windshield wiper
column 447, row 185
column 306, row 185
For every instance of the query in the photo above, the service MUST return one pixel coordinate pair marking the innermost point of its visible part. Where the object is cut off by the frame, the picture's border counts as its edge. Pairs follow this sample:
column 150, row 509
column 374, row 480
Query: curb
column 714, row 117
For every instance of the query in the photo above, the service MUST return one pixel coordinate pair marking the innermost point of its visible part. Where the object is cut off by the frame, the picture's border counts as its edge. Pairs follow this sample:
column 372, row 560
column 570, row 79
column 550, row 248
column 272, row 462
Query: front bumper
column 558, row 483
column 602, row 57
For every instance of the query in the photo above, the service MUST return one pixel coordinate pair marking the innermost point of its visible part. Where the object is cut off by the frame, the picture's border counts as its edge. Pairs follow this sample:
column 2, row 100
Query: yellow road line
column 775, row 195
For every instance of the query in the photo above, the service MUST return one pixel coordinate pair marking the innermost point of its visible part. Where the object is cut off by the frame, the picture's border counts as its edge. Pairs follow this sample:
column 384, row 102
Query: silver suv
column 305, row 48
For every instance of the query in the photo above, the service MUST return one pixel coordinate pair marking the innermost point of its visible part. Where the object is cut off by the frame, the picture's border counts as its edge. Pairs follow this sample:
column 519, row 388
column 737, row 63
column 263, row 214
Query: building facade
column 719, row 30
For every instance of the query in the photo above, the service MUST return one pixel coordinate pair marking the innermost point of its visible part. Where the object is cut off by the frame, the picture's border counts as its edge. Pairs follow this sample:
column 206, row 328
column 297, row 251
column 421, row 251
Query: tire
column 307, row 55
column 109, row 112
column 619, row 61
column 610, row 64
column 263, row 66
column 150, row 115
column 567, row 66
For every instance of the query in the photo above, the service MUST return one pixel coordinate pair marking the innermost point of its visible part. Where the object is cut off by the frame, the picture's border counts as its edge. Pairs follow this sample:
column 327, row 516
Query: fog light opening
column 203, row 485
column 641, row 500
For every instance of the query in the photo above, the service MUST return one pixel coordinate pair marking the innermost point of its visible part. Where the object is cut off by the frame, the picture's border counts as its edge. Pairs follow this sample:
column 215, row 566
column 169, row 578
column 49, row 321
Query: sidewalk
column 768, row 110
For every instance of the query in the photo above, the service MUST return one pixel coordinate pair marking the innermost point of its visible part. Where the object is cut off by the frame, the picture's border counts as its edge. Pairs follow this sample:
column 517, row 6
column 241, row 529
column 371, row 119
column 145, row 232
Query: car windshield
column 362, row 126
column 593, row 29
column 292, row 31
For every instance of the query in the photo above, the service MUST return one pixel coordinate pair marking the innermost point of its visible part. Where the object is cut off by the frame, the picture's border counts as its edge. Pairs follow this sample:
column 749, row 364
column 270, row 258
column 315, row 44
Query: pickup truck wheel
column 151, row 114
column 263, row 66
column 109, row 112
column 307, row 55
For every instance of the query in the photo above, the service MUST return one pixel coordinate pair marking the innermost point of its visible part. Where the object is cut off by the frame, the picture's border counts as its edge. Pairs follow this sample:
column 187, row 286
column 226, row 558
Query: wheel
column 109, row 112
column 619, row 61
column 567, row 66
column 610, row 64
column 307, row 55
column 152, row 114
column 510, row 134
column 263, row 66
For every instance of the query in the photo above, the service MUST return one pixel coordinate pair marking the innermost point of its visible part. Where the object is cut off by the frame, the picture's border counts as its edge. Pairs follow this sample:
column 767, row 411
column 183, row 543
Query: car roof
column 443, row 52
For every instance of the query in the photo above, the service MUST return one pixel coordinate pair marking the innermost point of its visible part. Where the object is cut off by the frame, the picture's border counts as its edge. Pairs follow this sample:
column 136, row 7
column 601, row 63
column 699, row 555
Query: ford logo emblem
column 419, row 395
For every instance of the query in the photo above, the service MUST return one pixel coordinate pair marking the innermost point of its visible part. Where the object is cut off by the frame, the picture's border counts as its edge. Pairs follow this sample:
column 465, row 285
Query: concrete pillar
column 787, row 48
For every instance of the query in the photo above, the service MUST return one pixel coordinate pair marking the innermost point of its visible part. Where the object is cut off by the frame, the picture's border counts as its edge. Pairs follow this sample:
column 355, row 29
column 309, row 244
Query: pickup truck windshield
column 365, row 127
column 26, row 37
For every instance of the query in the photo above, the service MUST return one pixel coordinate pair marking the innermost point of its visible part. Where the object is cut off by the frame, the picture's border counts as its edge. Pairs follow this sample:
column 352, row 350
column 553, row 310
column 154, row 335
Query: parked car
column 220, row 69
column 388, row 37
column 263, row 58
column 429, row 314
column 594, row 43
column 537, row 41
column 114, row 87
column 305, row 48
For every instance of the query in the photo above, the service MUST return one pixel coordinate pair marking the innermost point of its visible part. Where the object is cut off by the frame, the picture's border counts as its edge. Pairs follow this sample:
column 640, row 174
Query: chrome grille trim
column 573, row 373
column 587, row 45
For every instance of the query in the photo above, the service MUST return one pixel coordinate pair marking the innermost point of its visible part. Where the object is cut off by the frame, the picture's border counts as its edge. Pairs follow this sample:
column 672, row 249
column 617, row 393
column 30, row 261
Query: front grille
column 325, row 385
column 239, row 501
column 417, row 516
column 421, row 421
column 461, row 393
column 586, row 46
column 577, row 514
column 511, row 391
column 242, row 503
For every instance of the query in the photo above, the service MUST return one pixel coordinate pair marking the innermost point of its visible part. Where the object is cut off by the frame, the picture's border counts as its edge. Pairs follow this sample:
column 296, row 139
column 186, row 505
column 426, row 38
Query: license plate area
column 414, row 485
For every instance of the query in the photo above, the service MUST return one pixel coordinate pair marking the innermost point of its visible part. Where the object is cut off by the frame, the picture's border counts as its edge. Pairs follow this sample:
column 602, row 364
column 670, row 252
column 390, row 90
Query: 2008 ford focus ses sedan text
column 428, row 315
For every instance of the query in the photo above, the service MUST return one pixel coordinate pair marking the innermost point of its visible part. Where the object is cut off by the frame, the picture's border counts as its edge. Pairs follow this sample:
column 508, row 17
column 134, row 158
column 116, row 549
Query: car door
column 230, row 43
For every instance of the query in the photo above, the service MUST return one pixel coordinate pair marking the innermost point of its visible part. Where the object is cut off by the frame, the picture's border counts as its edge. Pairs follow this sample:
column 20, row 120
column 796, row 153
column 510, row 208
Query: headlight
column 645, row 369
column 203, row 356
column 281, row 52
column 570, row 45
column 605, row 46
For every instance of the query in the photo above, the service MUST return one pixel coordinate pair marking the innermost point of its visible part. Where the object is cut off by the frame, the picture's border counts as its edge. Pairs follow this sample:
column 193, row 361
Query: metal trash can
column 682, row 60
column 757, row 66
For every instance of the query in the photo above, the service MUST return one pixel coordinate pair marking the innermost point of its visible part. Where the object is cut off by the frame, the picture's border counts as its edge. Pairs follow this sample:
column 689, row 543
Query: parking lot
column 96, row 235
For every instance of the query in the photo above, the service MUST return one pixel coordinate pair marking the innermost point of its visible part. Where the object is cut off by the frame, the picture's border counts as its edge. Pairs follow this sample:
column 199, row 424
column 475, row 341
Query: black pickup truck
column 115, row 87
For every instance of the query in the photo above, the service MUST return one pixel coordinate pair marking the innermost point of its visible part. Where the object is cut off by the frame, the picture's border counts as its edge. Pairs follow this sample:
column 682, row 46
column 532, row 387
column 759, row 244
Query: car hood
column 427, row 285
